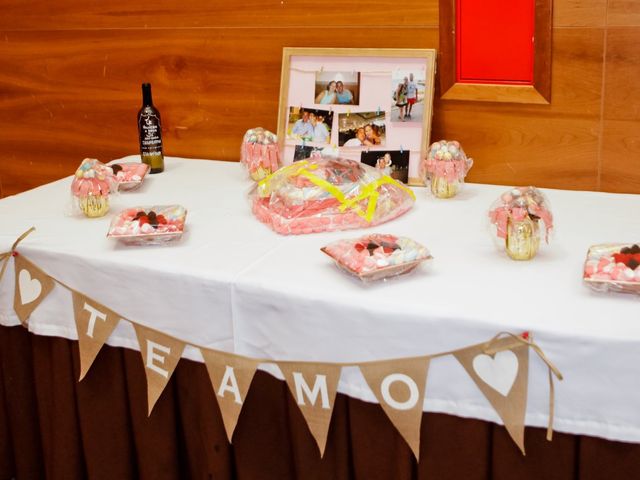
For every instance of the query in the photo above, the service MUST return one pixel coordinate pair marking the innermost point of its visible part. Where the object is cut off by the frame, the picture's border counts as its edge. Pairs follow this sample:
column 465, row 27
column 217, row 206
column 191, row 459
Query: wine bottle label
column 150, row 134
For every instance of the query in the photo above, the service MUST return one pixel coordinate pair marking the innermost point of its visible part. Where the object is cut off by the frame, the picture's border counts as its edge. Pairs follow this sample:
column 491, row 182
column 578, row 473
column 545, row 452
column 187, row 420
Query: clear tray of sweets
column 129, row 175
column 153, row 225
column 613, row 267
column 377, row 256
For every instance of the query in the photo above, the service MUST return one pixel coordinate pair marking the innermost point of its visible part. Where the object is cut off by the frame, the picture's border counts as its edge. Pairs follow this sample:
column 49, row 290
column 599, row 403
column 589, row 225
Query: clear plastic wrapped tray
column 155, row 225
column 129, row 175
column 328, row 194
column 613, row 267
column 377, row 256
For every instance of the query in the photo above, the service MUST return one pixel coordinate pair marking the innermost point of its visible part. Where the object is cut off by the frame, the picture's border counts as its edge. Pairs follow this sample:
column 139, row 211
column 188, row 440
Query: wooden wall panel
column 70, row 75
column 82, row 90
column 621, row 121
column 80, row 15
column 521, row 144
column 623, row 13
column 580, row 13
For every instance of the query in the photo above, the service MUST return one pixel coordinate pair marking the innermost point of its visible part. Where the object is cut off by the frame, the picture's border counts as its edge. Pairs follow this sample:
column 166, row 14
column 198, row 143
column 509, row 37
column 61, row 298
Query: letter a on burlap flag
column 230, row 376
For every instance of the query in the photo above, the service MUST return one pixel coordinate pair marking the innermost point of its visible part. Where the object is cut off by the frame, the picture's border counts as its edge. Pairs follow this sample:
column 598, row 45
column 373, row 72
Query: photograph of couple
column 361, row 129
column 309, row 125
column 337, row 88
column 394, row 163
column 408, row 90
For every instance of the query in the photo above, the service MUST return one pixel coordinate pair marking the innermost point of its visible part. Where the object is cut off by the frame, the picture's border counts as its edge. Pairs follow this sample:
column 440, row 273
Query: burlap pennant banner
column 314, row 387
column 94, row 323
column 32, row 287
column 500, row 369
column 399, row 388
column 160, row 355
column 230, row 376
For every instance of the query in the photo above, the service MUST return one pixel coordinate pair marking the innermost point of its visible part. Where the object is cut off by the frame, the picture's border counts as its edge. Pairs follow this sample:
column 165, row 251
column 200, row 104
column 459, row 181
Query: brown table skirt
column 53, row 427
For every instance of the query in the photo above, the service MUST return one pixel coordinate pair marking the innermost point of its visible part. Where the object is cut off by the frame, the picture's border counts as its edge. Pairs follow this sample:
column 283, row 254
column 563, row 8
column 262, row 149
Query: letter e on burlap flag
column 160, row 355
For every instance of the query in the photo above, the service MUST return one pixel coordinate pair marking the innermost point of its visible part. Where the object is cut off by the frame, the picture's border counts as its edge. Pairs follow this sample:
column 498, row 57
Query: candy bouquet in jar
column 91, row 186
column 259, row 153
column 327, row 194
column 445, row 168
column 517, row 216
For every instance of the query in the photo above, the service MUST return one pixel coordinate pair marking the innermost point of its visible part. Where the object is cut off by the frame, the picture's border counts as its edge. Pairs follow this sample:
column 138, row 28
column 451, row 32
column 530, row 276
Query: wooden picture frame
column 368, row 78
column 539, row 92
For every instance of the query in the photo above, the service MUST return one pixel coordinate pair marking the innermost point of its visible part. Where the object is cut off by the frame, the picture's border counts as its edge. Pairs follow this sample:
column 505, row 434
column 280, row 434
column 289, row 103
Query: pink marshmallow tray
column 153, row 225
column 327, row 194
column 377, row 256
column 613, row 268
column 129, row 175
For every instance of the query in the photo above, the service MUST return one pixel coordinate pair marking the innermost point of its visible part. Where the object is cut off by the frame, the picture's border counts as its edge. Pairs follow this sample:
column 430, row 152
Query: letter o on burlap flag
column 399, row 388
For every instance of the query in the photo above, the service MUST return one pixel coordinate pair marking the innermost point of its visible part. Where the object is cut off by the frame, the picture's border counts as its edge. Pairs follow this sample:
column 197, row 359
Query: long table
column 234, row 285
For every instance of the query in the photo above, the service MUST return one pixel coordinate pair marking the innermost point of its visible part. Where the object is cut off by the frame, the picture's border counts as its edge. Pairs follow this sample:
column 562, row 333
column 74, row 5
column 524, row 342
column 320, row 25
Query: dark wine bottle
column 150, row 132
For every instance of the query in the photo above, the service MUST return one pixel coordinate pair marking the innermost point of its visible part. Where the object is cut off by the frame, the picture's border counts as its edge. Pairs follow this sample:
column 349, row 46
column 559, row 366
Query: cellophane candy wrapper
column 91, row 186
column 613, row 267
column 516, row 217
column 445, row 168
column 323, row 195
column 149, row 225
column 129, row 175
column 377, row 256
column 259, row 153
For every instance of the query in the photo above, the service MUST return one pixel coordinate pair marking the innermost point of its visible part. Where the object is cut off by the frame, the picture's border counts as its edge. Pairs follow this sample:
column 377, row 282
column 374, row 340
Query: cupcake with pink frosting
column 91, row 186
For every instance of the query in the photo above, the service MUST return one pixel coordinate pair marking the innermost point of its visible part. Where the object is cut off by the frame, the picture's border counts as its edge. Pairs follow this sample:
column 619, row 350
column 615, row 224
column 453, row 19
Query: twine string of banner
column 551, row 369
column 4, row 257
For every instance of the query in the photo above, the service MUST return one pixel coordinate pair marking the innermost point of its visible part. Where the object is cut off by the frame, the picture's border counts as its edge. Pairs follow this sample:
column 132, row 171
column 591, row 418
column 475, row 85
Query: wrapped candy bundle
column 377, row 256
column 445, row 168
column 148, row 225
column 90, row 188
column 259, row 153
column 613, row 267
column 516, row 216
column 322, row 195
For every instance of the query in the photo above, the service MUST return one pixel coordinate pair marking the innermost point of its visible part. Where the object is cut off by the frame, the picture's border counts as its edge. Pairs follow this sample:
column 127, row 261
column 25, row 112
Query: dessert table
column 234, row 285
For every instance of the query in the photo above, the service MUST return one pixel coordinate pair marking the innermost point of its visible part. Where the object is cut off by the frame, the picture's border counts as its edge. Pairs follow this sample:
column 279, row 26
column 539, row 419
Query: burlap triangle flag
column 314, row 387
column 501, row 372
column 399, row 388
column 94, row 323
column 32, row 287
column 231, row 376
column 160, row 355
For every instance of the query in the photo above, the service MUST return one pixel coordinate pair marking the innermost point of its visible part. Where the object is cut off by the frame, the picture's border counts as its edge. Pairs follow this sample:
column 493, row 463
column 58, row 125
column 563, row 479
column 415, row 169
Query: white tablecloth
column 233, row 284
